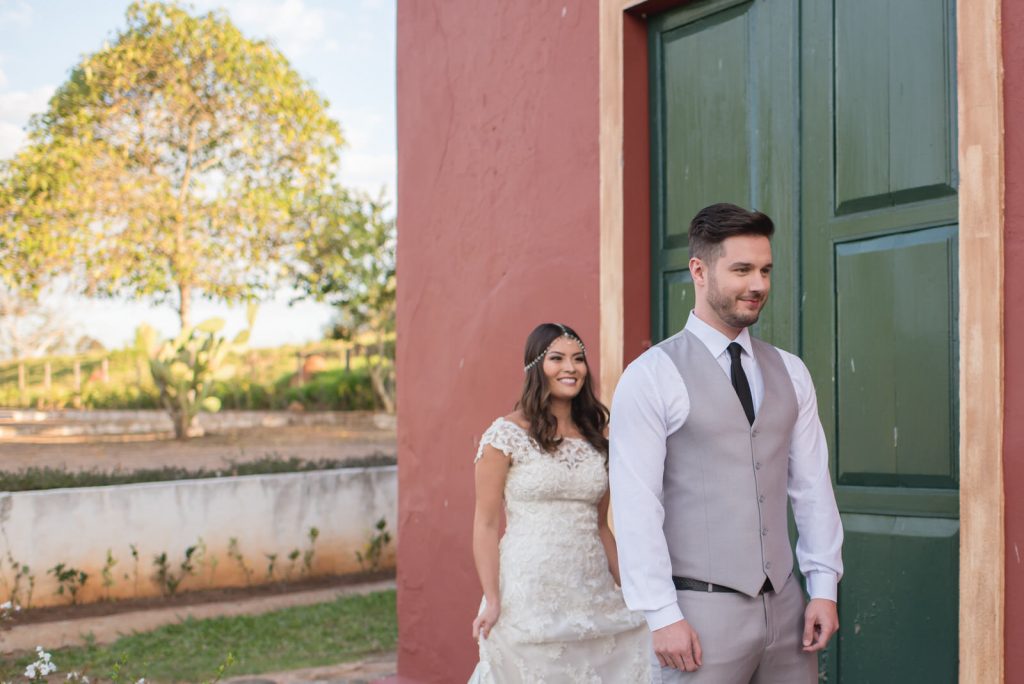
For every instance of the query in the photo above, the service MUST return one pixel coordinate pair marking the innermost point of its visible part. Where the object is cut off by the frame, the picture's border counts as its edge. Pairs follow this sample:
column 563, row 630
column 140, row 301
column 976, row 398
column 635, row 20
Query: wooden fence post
column 105, row 370
column 78, row 376
column 47, row 375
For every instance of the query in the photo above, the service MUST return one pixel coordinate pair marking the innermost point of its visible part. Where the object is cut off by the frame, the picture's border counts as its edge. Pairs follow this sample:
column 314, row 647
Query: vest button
column 768, row 565
column 764, row 531
column 760, row 499
column 757, row 465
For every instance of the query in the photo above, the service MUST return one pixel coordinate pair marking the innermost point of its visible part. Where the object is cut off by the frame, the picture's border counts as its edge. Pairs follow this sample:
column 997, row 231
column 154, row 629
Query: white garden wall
column 267, row 514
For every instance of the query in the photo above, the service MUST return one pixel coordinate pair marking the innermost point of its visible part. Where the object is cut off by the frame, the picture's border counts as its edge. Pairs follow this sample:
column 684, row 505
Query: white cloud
column 368, row 159
column 15, row 109
column 3, row 76
column 15, row 13
column 369, row 172
column 361, row 127
column 294, row 27
column 11, row 138
column 18, row 105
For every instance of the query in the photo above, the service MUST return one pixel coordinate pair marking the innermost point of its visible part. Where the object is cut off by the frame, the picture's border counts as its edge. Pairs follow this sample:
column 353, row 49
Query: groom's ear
column 698, row 271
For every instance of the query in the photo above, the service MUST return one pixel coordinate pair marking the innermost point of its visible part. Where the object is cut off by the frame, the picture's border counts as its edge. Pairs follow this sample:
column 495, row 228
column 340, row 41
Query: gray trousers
column 745, row 640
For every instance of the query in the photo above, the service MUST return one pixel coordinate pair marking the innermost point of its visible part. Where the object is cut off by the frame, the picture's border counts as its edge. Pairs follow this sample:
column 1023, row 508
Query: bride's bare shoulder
column 519, row 419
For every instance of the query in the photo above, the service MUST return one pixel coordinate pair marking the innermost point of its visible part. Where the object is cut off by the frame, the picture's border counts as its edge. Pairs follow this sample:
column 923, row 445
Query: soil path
column 373, row 670
column 107, row 629
column 134, row 452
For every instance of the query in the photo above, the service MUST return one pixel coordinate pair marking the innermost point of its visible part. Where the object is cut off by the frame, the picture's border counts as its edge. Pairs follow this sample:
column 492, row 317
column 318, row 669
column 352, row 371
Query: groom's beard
column 727, row 307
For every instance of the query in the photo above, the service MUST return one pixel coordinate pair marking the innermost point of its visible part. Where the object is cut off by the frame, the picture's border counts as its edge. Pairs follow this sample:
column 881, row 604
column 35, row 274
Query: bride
column 551, row 610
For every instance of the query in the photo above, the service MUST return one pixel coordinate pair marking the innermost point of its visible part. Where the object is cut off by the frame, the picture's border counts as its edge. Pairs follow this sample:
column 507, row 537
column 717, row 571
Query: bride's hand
column 485, row 620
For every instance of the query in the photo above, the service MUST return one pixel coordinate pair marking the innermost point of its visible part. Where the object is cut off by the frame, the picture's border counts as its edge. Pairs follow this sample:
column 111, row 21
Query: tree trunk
column 181, row 425
column 185, row 305
column 377, row 376
column 381, row 388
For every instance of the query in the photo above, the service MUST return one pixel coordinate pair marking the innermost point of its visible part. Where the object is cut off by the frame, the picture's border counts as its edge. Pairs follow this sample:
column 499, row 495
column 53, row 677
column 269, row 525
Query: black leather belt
column 687, row 584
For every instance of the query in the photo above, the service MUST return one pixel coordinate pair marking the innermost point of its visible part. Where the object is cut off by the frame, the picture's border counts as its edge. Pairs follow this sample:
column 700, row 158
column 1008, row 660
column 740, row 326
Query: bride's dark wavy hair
column 588, row 413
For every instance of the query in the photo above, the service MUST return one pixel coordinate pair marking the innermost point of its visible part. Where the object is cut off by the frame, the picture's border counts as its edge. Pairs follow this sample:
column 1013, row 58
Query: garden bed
column 197, row 597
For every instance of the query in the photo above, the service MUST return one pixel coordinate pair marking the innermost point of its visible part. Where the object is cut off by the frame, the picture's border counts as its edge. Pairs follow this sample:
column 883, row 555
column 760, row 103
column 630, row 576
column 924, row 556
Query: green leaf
column 211, row 404
column 211, row 325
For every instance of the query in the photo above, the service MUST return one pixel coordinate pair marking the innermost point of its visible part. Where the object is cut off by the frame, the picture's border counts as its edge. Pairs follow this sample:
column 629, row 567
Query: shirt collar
column 714, row 340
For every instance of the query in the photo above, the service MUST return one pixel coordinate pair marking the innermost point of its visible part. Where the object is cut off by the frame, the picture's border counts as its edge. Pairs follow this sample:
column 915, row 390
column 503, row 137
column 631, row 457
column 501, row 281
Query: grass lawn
column 191, row 651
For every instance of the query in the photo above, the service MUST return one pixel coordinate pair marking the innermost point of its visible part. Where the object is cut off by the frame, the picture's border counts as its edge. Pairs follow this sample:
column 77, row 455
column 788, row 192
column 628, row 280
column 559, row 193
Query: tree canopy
column 180, row 158
column 347, row 259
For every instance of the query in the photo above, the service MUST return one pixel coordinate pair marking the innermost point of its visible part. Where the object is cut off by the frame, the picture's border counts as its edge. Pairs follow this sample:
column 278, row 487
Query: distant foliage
column 349, row 260
column 264, row 381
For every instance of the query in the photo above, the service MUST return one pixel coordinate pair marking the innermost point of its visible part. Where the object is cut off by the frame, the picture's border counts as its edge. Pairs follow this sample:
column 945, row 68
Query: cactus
column 185, row 368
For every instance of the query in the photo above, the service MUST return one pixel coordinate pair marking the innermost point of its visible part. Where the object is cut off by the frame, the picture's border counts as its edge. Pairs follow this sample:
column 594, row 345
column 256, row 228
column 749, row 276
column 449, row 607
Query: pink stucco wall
column 1013, row 434
column 498, row 231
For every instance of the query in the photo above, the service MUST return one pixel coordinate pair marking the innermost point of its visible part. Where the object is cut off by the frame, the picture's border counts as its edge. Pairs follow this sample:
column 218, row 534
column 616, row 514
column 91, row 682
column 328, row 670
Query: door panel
column 723, row 93
column 914, row 559
column 893, row 107
column 714, row 52
column 896, row 341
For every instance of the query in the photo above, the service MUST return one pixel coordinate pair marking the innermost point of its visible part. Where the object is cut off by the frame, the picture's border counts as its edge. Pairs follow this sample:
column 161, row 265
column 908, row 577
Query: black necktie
column 739, row 381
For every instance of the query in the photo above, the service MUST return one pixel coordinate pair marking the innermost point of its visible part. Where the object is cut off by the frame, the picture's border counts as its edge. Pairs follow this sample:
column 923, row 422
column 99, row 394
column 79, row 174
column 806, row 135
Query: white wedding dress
column 562, row 619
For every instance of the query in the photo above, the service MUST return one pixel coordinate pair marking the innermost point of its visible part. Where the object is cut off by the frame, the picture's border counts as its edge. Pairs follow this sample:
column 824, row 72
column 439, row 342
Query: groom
column 711, row 431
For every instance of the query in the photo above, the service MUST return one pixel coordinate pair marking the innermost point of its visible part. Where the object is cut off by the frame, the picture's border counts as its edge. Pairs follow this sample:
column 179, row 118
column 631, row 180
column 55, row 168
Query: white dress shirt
column 650, row 403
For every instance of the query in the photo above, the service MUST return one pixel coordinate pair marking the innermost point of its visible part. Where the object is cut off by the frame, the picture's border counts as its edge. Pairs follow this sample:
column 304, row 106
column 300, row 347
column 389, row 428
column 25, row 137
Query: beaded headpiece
column 566, row 334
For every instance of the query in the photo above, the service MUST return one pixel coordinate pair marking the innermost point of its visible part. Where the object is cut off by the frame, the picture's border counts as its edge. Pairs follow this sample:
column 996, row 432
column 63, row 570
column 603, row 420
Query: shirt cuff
column 663, row 617
column 823, row 585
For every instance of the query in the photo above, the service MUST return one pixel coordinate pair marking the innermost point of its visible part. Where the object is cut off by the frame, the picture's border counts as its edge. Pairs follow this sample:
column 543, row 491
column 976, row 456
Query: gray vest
column 725, row 480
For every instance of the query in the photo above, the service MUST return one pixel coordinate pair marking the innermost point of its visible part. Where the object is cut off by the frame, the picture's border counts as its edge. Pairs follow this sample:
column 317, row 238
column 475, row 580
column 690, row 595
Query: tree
column 175, row 160
column 348, row 260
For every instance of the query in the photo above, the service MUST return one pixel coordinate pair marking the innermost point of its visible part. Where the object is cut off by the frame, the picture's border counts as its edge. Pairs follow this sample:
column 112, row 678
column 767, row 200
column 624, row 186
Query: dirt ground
column 134, row 452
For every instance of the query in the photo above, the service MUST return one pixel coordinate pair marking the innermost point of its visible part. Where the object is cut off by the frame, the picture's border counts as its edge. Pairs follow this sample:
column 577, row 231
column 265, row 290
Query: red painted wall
column 498, row 231
column 1013, row 432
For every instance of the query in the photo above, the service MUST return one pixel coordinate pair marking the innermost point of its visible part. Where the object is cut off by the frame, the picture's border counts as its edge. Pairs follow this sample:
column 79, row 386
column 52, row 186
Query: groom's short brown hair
column 713, row 224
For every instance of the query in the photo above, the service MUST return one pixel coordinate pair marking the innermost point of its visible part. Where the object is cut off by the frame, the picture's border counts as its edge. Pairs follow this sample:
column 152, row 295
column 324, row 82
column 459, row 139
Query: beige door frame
column 980, row 151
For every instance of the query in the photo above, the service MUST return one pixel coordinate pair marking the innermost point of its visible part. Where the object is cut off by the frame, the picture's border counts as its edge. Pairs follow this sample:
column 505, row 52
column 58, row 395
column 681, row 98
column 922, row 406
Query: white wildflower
column 42, row 667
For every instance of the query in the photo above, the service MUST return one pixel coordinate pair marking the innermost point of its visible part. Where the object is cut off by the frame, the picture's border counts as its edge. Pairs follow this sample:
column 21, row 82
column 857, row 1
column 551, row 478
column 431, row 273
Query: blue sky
column 345, row 48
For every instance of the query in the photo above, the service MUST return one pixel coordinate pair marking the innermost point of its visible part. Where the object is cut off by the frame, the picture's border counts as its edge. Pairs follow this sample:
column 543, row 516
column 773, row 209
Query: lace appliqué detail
column 515, row 442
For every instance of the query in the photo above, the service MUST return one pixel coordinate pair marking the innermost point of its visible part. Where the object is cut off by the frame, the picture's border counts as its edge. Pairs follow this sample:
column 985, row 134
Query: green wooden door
column 838, row 120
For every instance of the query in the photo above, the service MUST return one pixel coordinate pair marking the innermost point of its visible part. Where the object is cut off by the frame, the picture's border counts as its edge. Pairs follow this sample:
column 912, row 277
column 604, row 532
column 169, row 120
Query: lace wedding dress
column 562, row 619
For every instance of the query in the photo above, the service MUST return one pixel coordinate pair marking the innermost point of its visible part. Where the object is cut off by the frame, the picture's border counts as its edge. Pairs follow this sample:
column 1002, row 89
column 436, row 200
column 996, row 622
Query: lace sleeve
column 501, row 436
